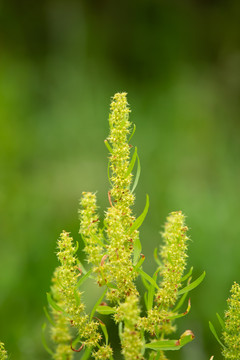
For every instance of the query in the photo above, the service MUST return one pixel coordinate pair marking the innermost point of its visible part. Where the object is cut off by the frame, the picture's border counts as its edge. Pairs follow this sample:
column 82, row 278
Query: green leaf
column 146, row 298
column 133, row 131
column 80, row 265
column 120, row 330
column 181, row 301
column 109, row 177
column 54, row 305
column 155, row 254
column 145, row 283
column 132, row 163
column 83, row 278
column 48, row 316
column 148, row 278
column 141, row 260
column 137, row 176
column 182, row 314
column 151, row 291
column 212, row 328
column 138, row 222
column 192, row 285
column 108, row 146
column 220, row 321
column 76, row 248
column 163, row 345
column 187, row 275
column 104, row 329
column 137, row 250
column 105, row 310
column 97, row 303
column 44, row 341
column 87, row 354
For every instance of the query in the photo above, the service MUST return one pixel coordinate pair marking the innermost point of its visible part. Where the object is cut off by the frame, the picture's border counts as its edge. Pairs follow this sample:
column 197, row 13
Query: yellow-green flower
column 231, row 333
column 3, row 352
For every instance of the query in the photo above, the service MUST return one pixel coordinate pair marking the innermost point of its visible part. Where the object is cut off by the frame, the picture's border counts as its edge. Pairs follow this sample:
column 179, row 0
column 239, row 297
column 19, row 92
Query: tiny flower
column 231, row 333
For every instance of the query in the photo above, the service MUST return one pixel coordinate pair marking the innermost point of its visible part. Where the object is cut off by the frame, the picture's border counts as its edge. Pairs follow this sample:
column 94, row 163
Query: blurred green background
column 60, row 63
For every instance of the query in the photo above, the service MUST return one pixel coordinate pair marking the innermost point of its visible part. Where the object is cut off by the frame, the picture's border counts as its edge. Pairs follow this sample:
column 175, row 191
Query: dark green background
column 60, row 63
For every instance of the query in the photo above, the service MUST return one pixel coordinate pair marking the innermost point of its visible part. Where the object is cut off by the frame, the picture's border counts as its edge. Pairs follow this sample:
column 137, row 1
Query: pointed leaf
column 132, row 163
column 137, row 176
column 141, row 260
column 105, row 310
column 97, row 303
column 120, row 330
column 133, row 131
column 181, row 301
column 104, row 329
column 109, row 177
column 48, row 316
column 44, row 341
column 148, row 278
column 138, row 222
column 187, row 275
column 108, row 146
column 182, row 314
column 192, row 285
column 151, row 291
column 137, row 250
column 54, row 305
column 155, row 254
column 212, row 328
column 83, row 278
column 87, row 354
column 220, row 321
column 164, row 345
column 76, row 248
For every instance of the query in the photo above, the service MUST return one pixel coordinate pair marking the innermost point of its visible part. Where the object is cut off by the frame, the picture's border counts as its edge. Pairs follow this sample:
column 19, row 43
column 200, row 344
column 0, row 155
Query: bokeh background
column 60, row 63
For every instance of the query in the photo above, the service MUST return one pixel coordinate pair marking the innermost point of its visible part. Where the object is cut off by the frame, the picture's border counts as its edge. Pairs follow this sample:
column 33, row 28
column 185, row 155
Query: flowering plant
column 115, row 262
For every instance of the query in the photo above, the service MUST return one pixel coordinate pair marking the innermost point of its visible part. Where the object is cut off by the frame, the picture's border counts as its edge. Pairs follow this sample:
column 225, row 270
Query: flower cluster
column 114, row 254
column 3, row 353
column 232, row 325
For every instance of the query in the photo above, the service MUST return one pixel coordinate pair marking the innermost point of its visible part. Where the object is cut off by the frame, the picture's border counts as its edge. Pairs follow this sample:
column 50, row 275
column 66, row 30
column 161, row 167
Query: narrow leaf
column 133, row 131
column 132, row 163
column 148, row 278
column 155, row 254
column 151, row 291
column 182, row 314
column 146, row 298
column 220, row 321
column 137, row 176
column 44, row 341
column 141, row 260
column 54, row 305
column 108, row 146
column 48, row 316
column 145, row 283
column 76, row 248
column 181, row 301
column 187, row 275
column 138, row 222
column 83, row 278
column 137, row 250
column 212, row 328
column 80, row 265
column 120, row 329
column 87, row 354
column 109, row 177
column 104, row 329
column 164, row 345
column 97, row 303
column 105, row 310
column 192, row 285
